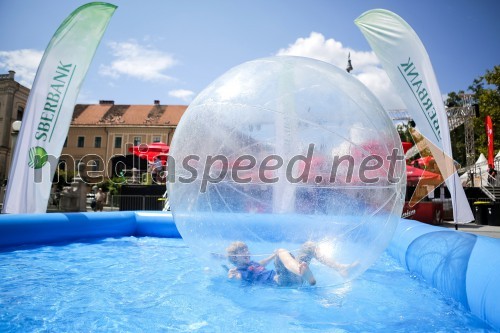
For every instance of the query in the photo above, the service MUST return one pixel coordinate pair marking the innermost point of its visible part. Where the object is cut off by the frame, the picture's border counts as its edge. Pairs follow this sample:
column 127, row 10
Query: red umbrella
column 151, row 151
column 425, row 161
column 414, row 175
column 406, row 146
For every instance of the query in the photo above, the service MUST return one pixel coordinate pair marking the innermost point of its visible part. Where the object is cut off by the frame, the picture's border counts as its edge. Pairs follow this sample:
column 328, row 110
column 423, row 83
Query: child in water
column 289, row 271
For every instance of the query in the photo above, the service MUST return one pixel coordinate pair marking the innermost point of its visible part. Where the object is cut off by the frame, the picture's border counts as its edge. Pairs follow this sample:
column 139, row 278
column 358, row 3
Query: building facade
column 101, row 136
column 13, row 98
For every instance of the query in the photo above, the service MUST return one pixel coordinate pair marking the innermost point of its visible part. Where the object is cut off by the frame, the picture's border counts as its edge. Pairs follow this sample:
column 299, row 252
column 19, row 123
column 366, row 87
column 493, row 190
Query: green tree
column 63, row 178
column 487, row 93
column 113, row 185
column 455, row 99
column 457, row 138
column 457, row 135
column 404, row 132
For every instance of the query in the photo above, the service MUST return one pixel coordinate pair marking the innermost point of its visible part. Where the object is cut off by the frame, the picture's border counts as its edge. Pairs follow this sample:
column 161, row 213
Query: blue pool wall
column 462, row 266
column 29, row 229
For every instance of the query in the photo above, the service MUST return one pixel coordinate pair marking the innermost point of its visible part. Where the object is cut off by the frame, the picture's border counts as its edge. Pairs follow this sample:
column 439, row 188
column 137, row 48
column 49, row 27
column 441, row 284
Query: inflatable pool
column 461, row 266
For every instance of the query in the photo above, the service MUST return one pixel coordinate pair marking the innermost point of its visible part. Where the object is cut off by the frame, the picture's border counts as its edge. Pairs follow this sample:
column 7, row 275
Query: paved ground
column 483, row 230
column 53, row 209
column 105, row 209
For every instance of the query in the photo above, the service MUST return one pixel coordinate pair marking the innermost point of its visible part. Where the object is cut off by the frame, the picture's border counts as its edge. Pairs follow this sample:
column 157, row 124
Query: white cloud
column 85, row 97
column 139, row 61
column 24, row 62
column 183, row 94
column 366, row 65
column 376, row 79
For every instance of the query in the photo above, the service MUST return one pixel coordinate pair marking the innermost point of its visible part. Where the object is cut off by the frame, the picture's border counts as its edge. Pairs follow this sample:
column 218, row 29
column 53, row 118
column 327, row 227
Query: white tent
column 479, row 172
column 482, row 160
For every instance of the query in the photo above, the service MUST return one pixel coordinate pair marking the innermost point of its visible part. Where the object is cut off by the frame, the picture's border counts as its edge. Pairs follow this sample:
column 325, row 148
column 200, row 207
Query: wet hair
column 234, row 250
column 307, row 252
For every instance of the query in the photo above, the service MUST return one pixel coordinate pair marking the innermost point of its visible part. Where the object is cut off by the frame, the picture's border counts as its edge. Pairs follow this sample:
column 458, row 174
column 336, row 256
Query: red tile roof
column 144, row 115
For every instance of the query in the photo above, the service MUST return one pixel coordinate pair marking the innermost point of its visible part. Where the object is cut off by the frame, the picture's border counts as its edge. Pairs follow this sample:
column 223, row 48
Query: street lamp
column 14, row 131
column 349, row 65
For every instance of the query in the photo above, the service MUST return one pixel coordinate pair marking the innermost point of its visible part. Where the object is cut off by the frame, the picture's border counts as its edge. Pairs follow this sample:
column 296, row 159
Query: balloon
column 285, row 151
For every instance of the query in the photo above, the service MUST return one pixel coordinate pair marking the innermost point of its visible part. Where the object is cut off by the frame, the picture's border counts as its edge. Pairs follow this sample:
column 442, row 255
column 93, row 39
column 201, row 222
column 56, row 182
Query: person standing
column 157, row 169
column 100, row 198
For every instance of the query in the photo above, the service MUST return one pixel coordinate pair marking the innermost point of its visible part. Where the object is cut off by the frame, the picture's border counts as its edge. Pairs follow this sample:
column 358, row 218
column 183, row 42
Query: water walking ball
column 288, row 153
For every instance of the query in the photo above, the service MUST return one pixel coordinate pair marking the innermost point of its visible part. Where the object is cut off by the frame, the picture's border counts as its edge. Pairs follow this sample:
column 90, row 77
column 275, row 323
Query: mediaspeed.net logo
column 37, row 157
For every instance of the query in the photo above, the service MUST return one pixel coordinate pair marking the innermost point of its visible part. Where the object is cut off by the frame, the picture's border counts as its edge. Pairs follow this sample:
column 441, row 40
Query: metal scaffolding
column 457, row 116
column 464, row 115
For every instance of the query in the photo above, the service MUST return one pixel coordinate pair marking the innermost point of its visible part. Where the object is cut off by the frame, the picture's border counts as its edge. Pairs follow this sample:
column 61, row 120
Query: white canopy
column 479, row 171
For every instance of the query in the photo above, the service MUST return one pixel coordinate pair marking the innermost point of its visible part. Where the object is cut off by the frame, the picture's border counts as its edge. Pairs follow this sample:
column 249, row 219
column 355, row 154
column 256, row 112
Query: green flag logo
column 37, row 157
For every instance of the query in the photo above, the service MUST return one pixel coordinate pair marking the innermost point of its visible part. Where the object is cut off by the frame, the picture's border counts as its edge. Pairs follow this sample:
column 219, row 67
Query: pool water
column 154, row 284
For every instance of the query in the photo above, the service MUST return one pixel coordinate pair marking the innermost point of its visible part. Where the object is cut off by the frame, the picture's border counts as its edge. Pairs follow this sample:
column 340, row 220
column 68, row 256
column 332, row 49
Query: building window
column 97, row 142
column 81, row 142
column 156, row 138
column 118, row 142
column 137, row 140
column 20, row 113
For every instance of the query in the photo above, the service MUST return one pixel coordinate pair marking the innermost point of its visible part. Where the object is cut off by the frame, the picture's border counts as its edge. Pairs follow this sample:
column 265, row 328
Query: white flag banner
column 50, row 107
column 407, row 64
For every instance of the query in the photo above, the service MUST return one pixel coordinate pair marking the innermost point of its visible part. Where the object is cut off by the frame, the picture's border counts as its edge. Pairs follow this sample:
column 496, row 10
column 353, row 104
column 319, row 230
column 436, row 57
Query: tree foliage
column 113, row 185
column 63, row 178
column 486, row 92
column 404, row 132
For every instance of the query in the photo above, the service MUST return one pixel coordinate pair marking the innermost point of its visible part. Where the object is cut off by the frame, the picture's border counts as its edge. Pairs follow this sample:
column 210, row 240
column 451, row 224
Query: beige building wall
column 114, row 141
column 103, row 123
column 100, row 133
column 13, row 98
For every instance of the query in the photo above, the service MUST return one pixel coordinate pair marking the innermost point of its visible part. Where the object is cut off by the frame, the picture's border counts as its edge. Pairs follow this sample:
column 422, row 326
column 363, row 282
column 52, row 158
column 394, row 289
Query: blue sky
column 182, row 46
